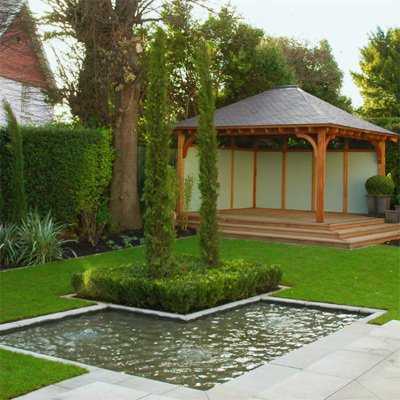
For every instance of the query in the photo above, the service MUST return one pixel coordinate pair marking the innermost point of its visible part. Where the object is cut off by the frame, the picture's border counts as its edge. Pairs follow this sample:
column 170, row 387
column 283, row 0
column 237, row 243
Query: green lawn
column 367, row 277
column 21, row 373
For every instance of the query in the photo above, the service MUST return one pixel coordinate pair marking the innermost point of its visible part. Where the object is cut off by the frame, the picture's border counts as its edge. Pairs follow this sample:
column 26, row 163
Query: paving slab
column 353, row 391
column 44, row 393
column 101, row 391
column 261, row 378
column 305, row 386
column 148, row 385
column 387, row 389
column 374, row 345
column 101, row 375
column 184, row 393
column 345, row 364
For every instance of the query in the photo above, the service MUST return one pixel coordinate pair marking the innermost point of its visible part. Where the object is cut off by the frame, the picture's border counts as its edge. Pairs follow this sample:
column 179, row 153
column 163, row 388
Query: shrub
column 160, row 200
column 8, row 244
column 379, row 184
column 193, row 286
column 65, row 169
column 18, row 208
column 38, row 240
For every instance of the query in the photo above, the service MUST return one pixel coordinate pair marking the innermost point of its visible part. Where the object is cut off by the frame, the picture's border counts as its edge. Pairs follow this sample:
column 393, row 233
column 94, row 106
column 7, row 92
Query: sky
column 346, row 25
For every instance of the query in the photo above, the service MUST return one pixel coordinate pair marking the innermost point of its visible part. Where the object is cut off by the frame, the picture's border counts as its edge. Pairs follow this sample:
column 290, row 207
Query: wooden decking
column 340, row 230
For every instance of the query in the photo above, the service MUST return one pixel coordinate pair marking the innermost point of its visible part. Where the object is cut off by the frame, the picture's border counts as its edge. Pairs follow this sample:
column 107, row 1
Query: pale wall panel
column 224, row 178
column 269, row 180
column 361, row 167
column 334, row 180
column 298, row 180
column 192, row 167
column 243, row 179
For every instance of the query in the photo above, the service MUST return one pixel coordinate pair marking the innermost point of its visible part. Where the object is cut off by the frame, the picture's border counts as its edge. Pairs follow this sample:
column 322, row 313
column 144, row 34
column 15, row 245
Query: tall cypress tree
column 209, row 238
column 19, row 205
column 158, row 196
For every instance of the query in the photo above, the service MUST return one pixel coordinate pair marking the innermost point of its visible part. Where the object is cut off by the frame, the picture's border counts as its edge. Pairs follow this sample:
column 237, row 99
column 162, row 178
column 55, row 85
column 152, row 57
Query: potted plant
column 380, row 189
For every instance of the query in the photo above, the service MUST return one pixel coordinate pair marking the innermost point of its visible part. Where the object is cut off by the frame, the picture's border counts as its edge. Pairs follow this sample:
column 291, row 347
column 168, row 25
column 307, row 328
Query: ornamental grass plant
column 39, row 240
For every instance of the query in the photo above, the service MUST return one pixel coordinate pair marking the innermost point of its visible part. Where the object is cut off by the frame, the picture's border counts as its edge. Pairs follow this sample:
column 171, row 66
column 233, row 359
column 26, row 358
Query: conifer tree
column 158, row 196
column 19, row 205
column 209, row 238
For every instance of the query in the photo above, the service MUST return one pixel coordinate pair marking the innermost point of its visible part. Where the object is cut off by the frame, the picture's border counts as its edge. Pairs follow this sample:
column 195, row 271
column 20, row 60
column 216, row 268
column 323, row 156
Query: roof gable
column 22, row 57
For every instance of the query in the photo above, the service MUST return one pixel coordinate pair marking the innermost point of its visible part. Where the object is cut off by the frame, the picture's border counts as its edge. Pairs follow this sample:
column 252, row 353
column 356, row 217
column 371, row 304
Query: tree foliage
column 160, row 200
column 315, row 69
column 209, row 239
column 18, row 202
column 379, row 79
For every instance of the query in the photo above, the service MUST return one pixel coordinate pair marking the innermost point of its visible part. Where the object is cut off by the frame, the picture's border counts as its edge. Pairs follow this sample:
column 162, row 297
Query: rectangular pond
column 198, row 354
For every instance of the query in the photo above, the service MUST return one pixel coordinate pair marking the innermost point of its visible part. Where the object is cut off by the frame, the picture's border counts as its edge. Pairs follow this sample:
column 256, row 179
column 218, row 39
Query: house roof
column 284, row 106
column 22, row 57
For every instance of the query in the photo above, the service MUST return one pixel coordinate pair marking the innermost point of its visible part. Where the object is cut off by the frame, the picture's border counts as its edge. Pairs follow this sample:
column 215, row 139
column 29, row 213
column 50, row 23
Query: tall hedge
column 63, row 169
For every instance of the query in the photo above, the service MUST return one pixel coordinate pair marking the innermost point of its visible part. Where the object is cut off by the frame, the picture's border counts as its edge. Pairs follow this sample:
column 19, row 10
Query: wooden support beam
column 321, row 159
column 232, row 169
column 381, row 155
column 187, row 145
column 346, row 175
column 309, row 139
column 314, row 180
column 284, row 174
column 255, row 147
column 180, row 171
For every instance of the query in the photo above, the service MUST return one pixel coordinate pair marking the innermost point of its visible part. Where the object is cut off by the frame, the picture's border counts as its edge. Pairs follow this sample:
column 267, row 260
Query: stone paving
column 360, row 361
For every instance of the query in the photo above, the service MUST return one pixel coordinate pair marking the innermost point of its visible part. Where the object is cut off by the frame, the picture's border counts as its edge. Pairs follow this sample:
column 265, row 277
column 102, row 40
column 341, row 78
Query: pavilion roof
column 284, row 106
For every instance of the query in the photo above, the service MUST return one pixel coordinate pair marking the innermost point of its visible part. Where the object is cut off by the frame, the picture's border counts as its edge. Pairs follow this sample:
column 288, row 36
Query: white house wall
column 224, row 178
column 243, row 179
column 37, row 111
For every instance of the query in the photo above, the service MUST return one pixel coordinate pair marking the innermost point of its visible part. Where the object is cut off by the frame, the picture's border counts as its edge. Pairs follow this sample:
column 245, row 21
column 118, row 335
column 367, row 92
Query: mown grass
column 21, row 373
column 367, row 277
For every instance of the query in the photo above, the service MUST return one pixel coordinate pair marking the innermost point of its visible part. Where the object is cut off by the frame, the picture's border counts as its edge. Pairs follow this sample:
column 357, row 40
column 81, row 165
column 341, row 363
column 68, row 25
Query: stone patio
column 360, row 361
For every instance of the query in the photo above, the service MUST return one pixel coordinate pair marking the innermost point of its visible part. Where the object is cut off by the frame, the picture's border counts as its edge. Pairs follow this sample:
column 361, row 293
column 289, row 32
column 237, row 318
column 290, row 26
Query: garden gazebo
column 258, row 168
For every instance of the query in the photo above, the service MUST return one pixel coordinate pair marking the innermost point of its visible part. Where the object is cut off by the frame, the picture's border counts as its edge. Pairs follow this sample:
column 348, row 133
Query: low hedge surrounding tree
column 65, row 169
column 195, row 286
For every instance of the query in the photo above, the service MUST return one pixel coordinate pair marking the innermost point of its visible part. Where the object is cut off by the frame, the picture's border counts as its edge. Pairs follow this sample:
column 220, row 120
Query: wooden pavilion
column 260, row 174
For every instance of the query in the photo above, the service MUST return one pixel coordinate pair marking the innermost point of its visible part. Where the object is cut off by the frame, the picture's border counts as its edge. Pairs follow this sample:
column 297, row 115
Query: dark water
column 197, row 354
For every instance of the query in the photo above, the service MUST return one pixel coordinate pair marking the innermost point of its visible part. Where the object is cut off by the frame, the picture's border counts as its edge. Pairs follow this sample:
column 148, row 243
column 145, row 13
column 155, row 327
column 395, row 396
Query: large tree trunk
column 125, row 206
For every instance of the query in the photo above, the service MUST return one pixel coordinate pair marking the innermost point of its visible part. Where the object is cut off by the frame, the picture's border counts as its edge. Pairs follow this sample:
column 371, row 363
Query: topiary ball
column 379, row 184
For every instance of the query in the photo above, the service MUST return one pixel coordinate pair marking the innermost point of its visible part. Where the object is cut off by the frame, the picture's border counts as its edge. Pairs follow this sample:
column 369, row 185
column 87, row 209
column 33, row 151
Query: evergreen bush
column 158, row 196
column 209, row 239
column 379, row 184
column 17, row 195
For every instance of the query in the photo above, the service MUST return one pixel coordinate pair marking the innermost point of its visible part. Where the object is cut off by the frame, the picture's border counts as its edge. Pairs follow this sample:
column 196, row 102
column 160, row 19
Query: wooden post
column 321, row 157
column 180, row 170
column 346, row 174
column 255, row 147
column 232, row 168
column 314, row 180
column 285, row 141
column 382, row 158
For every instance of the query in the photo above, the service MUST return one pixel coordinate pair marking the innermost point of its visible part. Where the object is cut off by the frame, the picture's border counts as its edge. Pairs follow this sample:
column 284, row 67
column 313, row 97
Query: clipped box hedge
column 192, row 286
column 63, row 168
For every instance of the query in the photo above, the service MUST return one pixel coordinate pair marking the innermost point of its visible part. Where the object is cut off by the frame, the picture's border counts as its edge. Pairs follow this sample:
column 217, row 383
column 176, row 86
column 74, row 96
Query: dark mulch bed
column 117, row 241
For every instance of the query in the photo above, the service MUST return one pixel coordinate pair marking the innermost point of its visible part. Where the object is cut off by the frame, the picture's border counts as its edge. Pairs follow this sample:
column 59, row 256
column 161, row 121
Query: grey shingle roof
column 284, row 105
